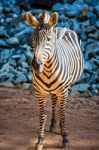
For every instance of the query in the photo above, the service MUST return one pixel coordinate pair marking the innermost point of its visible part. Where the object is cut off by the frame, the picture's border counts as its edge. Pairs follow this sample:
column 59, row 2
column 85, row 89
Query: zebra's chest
column 46, row 84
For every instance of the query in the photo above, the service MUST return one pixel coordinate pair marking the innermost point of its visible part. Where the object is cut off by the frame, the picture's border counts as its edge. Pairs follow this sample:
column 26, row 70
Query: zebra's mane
column 43, row 17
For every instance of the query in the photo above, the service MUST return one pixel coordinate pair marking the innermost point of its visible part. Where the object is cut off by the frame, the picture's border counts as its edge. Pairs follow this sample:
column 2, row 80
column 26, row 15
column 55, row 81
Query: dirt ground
column 19, row 122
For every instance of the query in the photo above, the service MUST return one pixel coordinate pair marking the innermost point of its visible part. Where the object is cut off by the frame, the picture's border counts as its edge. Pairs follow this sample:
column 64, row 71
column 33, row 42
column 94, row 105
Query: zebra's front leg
column 53, row 120
column 62, row 112
column 42, row 118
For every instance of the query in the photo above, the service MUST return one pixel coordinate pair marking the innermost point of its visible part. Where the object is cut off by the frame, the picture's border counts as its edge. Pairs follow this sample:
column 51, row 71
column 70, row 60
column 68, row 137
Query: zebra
column 57, row 64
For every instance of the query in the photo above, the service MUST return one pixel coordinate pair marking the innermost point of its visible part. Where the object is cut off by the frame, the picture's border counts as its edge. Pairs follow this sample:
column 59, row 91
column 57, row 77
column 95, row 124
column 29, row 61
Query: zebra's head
column 43, row 38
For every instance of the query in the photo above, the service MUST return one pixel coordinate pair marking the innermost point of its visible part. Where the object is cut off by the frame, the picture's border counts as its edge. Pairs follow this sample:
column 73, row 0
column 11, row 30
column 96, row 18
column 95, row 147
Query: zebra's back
column 70, row 53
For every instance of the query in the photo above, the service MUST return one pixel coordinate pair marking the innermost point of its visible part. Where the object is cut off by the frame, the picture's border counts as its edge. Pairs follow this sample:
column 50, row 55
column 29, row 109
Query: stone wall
column 15, row 42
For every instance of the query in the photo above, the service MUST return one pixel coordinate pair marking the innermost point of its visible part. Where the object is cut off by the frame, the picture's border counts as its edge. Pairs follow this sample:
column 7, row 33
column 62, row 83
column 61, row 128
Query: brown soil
column 19, row 122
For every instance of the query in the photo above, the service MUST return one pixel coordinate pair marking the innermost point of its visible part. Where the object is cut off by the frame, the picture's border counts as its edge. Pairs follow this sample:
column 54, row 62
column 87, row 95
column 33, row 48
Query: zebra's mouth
column 38, row 69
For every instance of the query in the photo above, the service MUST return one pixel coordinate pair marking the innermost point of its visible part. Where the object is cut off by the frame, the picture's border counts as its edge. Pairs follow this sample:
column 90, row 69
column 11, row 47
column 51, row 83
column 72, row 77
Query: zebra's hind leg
column 42, row 118
column 53, row 120
column 62, row 112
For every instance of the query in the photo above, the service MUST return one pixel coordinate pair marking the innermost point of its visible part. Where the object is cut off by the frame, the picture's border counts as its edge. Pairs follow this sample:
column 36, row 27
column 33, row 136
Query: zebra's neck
column 50, row 64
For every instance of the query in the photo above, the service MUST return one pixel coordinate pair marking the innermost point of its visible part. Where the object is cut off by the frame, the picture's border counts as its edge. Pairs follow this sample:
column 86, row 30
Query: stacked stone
column 15, row 43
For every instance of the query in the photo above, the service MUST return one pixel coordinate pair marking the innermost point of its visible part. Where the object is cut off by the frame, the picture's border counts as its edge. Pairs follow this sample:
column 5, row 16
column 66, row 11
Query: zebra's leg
column 62, row 112
column 53, row 120
column 42, row 118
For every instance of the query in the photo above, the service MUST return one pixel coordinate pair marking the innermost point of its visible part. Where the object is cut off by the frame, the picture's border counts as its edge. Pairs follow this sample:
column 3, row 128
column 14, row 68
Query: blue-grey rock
column 66, row 24
column 72, row 13
column 29, row 55
column 76, row 26
column 94, row 35
column 93, row 78
column 89, row 29
column 7, row 9
column 20, row 28
column 5, row 67
column 97, row 87
column 85, row 24
column 97, row 23
column 13, row 41
column 58, row 7
column 10, row 77
column 83, row 45
column 78, row 3
column 94, row 92
column 97, row 9
column 12, row 62
column 20, row 78
column 2, row 76
column 90, row 14
column 24, row 65
column 26, row 47
column 89, row 41
column 30, row 76
column 92, row 49
column 14, row 15
column 3, row 32
column 1, row 8
column 13, row 70
column 88, row 67
column 16, row 56
column 24, row 70
column 36, row 11
column 2, row 19
column 18, row 51
column 83, row 36
column 94, row 86
column 91, row 2
column 96, row 48
column 22, row 58
column 85, row 77
column 93, row 20
column 21, row 35
column 81, row 87
column 3, row 43
column 5, row 54
column 94, row 66
column 62, row 18
column 96, row 60
column 11, row 31
column 72, row 10
column 8, row 20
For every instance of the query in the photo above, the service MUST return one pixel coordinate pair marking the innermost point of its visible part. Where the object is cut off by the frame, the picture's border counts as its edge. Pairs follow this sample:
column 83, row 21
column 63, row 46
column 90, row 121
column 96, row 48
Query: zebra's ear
column 31, row 19
column 53, row 19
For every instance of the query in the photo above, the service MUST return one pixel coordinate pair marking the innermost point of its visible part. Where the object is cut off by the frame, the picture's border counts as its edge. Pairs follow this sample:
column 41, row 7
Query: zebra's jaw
column 41, row 69
column 38, row 69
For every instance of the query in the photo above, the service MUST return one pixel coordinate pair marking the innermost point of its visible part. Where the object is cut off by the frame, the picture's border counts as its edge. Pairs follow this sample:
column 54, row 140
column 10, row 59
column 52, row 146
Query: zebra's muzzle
column 38, row 68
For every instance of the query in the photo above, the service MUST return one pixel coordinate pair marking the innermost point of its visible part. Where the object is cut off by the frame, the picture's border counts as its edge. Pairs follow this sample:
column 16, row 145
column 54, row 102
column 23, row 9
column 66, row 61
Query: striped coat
column 65, row 65
column 57, row 63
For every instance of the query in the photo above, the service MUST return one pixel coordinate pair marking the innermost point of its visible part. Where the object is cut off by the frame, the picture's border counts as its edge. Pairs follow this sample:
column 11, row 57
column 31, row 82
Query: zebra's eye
column 48, row 39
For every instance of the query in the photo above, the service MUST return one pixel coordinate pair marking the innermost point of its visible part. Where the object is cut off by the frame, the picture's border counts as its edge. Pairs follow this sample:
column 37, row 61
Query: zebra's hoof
column 65, row 144
column 39, row 147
